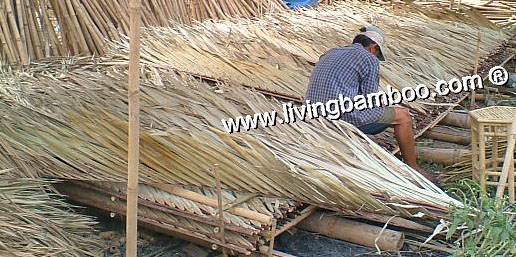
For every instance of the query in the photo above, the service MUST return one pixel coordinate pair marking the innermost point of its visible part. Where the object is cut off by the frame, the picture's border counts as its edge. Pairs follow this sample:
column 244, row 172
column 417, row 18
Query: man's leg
column 402, row 124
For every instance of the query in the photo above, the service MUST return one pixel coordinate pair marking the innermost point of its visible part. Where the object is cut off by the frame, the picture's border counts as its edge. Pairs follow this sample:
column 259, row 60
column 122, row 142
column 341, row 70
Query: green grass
column 485, row 226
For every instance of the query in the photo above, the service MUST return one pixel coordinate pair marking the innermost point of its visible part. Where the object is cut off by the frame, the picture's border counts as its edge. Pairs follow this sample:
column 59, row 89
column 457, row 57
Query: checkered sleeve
column 369, row 83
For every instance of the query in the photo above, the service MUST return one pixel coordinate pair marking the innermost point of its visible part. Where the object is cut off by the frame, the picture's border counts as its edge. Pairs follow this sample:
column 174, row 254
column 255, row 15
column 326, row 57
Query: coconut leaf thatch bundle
column 35, row 222
column 73, row 126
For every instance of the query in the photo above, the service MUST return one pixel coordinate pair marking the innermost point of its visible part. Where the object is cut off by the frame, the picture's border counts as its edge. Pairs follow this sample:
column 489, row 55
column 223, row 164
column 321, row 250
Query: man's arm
column 369, row 83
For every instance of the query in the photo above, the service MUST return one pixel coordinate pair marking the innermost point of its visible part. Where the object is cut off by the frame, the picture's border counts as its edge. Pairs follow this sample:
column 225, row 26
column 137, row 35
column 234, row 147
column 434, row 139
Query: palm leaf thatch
column 73, row 126
column 277, row 52
column 34, row 221
column 275, row 55
column 500, row 12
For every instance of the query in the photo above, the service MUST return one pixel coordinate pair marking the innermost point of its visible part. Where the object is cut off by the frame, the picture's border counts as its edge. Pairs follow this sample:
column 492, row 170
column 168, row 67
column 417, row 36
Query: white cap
column 378, row 36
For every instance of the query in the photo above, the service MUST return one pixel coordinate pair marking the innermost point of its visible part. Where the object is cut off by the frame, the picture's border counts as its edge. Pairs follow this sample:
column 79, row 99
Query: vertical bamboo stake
column 222, row 231
column 477, row 59
column 134, row 129
column 273, row 237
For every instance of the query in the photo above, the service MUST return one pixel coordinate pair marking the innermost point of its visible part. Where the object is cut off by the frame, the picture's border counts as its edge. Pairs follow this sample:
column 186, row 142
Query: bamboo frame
column 160, row 206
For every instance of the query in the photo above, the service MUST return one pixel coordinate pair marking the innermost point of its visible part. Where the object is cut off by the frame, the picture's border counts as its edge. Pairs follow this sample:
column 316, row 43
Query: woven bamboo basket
column 490, row 130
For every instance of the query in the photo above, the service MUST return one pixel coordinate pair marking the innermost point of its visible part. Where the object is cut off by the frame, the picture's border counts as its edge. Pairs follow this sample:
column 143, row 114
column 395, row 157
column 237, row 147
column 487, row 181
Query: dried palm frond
column 500, row 12
column 34, row 220
column 277, row 52
column 74, row 127
column 275, row 55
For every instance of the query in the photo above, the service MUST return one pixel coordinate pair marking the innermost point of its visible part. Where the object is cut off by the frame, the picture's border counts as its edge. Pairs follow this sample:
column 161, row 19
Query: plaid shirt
column 349, row 71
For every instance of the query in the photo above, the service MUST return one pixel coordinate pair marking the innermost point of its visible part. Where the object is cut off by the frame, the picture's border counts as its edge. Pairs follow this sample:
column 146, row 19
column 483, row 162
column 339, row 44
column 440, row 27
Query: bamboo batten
column 83, row 137
column 133, row 134
column 188, row 215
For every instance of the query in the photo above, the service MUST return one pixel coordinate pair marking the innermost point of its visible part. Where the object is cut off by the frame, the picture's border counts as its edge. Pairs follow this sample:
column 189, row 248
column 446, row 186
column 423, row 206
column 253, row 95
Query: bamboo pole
column 449, row 134
column 507, row 163
column 222, row 229
column 444, row 156
column 21, row 26
column 477, row 59
column 24, row 59
column 15, row 57
column 36, row 30
column 456, row 119
column 134, row 129
column 353, row 231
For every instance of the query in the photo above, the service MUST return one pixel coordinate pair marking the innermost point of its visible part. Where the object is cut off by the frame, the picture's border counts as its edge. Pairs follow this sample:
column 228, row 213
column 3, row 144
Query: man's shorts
column 382, row 124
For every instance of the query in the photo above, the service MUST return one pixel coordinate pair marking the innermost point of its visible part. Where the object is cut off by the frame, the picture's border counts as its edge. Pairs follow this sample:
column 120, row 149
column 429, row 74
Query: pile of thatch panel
column 500, row 12
column 34, row 220
column 69, row 121
column 275, row 54
column 73, row 126
column 37, row 29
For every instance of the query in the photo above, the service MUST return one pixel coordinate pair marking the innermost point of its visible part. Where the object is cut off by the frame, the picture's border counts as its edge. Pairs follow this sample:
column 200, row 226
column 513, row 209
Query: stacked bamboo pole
column 194, row 213
column 37, row 29
column 27, row 32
